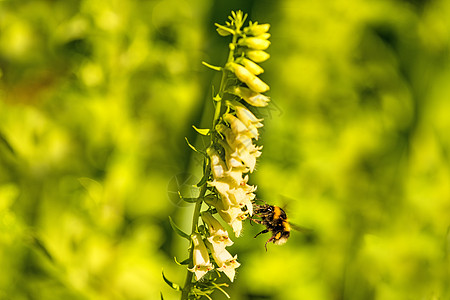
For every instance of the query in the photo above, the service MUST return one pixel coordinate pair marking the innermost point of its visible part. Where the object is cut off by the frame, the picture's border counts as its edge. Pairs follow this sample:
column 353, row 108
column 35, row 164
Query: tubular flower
column 246, row 116
column 238, row 142
column 233, row 215
column 200, row 257
column 231, row 156
column 250, row 96
column 238, row 127
column 218, row 236
column 218, row 167
column 226, row 262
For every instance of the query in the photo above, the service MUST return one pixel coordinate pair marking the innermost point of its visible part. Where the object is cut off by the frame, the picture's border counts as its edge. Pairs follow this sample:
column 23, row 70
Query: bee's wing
column 301, row 228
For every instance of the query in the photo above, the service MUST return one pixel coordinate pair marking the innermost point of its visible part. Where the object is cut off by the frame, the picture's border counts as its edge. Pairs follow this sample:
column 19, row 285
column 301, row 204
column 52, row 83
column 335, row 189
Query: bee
column 276, row 221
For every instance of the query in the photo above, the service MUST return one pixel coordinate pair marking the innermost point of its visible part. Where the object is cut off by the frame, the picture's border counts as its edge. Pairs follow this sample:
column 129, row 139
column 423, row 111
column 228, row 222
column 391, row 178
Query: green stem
column 217, row 113
column 188, row 282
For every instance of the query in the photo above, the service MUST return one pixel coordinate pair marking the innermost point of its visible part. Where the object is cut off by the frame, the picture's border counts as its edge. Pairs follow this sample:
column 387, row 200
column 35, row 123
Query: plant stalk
column 218, row 107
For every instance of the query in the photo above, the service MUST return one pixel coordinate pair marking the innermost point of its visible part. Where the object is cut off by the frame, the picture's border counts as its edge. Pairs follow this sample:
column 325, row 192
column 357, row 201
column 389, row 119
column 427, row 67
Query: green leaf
column 184, row 262
column 188, row 200
column 7, row 144
column 217, row 286
column 190, row 145
column 178, row 230
column 203, row 180
column 173, row 285
column 201, row 131
column 224, row 30
column 215, row 68
column 39, row 246
column 162, row 298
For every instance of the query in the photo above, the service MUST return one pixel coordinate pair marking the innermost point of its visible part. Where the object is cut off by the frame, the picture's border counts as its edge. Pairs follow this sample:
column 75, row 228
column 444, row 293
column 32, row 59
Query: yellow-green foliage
column 96, row 98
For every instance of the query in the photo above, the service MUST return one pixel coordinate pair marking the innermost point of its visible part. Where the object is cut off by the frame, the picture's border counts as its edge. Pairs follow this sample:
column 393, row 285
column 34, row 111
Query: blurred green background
column 96, row 98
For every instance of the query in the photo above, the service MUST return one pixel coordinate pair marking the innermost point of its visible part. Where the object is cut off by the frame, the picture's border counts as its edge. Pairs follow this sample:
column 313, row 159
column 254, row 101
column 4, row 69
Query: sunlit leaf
column 178, row 230
column 5, row 142
column 202, row 131
column 173, row 285
column 215, row 68
column 184, row 262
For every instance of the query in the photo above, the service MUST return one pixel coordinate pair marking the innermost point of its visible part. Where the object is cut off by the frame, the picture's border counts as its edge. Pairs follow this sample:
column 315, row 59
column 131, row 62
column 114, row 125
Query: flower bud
column 257, row 55
column 254, row 68
column 251, row 97
column 254, row 43
column 264, row 36
column 244, row 75
column 257, row 29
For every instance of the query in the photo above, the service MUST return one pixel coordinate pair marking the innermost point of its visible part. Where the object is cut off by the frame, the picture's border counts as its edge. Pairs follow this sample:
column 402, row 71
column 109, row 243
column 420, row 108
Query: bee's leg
column 268, row 241
column 256, row 221
column 264, row 231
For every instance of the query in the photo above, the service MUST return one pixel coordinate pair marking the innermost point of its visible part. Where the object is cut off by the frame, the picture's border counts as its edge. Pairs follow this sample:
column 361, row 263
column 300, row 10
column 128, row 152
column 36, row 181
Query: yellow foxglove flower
column 232, row 215
column 232, row 157
column 245, row 115
column 226, row 262
column 218, row 236
column 243, row 197
column 247, row 155
column 254, row 68
column 254, row 43
column 218, row 167
column 238, row 127
column 237, row 142
column 257, row 55
column 236, row 223
column 237, row 172
column 223, row 185
column 250, row 96
column 244, row 75
column 249, row 158
column 200, row 256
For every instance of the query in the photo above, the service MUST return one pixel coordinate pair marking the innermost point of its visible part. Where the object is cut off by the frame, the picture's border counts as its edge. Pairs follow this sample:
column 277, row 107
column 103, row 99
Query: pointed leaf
column 190, row 145
column 39, row 245
column 201, row 131
column 178, row 230
column 215, row 68
column 224, row 30
column 217, row 286
column 195, row 149
column 6, row 143
column 184, row 262
column 175, row 286
column 190, row 200
column 203, row 180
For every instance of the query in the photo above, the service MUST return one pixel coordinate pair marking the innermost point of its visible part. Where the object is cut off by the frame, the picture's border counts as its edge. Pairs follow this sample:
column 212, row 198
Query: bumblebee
column 275, row 220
